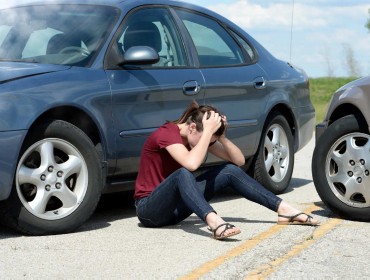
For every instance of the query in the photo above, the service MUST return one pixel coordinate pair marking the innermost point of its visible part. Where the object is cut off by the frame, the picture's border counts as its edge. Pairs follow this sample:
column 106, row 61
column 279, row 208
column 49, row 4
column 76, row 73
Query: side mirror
column 140, row 55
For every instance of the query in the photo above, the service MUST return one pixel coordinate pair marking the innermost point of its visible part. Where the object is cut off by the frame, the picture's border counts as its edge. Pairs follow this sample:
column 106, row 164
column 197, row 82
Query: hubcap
column 51, row 179
column 347, row 169
column 276, row 153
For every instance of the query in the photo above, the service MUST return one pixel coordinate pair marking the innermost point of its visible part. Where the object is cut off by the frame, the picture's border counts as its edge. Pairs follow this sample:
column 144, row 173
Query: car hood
column 10, row 71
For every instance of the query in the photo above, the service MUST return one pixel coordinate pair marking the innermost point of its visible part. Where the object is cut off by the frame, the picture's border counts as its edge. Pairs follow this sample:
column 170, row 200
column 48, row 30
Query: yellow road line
column 265, row 270
column 237, row 251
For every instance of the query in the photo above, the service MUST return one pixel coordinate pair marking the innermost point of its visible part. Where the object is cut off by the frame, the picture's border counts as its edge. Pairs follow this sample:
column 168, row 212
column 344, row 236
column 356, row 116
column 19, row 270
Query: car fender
column 279, row 100
column 357, row 96
column 30, row 100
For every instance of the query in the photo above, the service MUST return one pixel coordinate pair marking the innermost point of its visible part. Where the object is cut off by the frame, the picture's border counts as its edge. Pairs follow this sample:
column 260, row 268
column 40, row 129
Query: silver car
column 341, row 159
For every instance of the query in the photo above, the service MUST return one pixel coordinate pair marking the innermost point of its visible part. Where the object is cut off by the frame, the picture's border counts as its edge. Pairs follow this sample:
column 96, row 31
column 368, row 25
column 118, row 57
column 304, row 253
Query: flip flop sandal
column 307, row 222
column 222, row 235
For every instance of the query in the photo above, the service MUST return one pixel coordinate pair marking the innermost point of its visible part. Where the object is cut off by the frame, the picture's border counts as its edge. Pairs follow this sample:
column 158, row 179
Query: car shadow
column 6, row 232
column 194, row 225
column 324, row 212
column 119, row 206
column 111, row 207
column 297, row 183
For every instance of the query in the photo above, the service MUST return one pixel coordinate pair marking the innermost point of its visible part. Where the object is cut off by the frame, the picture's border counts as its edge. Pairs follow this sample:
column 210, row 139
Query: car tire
column 341, row 167
column 58, row 181
column 274, row 162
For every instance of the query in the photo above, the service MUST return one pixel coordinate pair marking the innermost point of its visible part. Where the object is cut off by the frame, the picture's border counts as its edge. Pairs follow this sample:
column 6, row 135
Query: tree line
column 351, row 64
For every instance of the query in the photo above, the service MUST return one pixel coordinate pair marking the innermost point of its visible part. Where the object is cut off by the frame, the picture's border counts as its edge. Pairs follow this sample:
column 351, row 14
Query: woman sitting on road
column 167, row 191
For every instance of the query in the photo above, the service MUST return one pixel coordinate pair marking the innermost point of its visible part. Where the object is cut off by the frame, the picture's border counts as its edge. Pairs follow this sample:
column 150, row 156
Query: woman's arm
column 227, row 150
column 192, row 159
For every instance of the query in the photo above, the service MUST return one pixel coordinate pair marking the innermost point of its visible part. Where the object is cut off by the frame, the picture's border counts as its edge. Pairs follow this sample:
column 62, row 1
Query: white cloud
column 306, row 16
column 249, row 15
column 10, row 3
column 320, row 29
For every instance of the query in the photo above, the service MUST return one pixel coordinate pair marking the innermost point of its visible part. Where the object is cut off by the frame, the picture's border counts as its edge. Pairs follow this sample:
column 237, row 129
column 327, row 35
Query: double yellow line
column 267, row 269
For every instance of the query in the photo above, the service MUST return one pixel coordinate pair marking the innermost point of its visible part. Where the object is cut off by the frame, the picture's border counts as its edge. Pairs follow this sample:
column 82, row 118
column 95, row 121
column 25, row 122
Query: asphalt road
column 112, row 245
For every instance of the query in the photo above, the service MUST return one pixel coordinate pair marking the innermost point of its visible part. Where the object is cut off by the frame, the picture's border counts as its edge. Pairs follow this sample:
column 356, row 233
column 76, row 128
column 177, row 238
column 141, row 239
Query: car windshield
column 54, row 34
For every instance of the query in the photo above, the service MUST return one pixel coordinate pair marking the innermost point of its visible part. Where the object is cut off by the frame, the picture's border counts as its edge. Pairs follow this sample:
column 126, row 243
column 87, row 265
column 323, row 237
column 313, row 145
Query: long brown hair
column 194, row 114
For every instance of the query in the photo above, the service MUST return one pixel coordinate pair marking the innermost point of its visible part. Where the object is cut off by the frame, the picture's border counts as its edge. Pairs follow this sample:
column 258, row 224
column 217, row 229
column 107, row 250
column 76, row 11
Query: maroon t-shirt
column 156, row 163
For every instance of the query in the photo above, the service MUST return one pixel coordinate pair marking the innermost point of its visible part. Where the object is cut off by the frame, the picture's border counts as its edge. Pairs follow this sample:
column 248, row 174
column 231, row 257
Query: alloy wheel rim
column 51, row 179
column 347, row 169
column 276, row 153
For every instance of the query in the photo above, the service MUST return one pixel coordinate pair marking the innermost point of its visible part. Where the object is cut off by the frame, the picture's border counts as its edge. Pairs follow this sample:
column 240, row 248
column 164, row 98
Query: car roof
column 114, row 3
column 101, row 2
column 39, row 2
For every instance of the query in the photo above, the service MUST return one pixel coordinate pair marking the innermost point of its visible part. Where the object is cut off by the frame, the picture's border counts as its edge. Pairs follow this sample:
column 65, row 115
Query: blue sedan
column 83, row 83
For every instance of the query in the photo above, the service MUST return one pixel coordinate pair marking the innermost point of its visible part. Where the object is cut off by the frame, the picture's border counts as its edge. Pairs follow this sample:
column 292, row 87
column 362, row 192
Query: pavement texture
column 113, row 245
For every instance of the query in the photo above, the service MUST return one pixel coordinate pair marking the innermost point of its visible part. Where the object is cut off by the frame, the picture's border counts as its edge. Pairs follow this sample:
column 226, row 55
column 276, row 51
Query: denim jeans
column 182, row 193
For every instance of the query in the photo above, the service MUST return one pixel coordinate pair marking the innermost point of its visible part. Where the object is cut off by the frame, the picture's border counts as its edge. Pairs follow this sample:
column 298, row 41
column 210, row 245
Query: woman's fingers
column 212, row 121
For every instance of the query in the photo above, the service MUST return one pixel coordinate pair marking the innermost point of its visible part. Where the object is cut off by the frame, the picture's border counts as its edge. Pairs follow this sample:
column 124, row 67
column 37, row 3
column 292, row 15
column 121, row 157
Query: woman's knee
column 184, row 173
column 233, row 171
column 232, row 168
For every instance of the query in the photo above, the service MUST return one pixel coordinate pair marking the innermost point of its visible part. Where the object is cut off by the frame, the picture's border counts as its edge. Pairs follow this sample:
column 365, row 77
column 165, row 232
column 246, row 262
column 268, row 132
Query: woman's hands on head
column 226, row 149
column 198, row 141
column 211, row 122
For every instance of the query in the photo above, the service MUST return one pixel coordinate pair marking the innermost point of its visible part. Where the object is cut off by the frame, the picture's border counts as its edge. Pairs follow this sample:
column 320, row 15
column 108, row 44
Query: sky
column 316, row 35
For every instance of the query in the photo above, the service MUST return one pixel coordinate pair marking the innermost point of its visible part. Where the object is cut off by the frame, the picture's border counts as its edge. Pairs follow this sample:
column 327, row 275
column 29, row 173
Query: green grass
column 322, row 90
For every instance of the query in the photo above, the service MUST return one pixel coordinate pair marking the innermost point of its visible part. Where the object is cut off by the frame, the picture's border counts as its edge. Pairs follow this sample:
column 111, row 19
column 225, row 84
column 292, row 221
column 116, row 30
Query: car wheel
column 57, row 183
column 275, row 157
column 341, row 169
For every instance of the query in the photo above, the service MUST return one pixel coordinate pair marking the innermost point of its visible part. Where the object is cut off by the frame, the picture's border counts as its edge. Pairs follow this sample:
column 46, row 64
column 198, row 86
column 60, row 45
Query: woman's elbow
column 240, row 161
column 191, row 166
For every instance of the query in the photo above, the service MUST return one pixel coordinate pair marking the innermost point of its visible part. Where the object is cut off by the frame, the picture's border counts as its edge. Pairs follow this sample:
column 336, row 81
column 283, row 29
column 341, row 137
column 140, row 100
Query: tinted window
column 155, row 28
column 4, row 30
column 246, row 46
column 214, row 45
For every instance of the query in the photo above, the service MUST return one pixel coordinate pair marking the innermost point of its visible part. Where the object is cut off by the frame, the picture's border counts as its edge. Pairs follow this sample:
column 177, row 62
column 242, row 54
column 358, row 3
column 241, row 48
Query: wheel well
column 348, row 109
column 74, row 116
column 288, row 114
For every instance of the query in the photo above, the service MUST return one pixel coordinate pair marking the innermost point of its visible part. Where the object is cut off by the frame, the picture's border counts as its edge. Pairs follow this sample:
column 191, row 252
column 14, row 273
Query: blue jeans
column 182, row 194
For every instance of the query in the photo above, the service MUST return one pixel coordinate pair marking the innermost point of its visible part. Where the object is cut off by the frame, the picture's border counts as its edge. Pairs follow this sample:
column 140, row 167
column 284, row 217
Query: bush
column 322, row 89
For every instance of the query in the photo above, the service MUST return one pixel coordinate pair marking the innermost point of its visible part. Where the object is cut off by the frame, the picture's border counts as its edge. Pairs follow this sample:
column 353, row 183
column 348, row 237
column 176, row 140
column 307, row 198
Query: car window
column 214, row 45
column 247, row 47
column 3, row 32
column 155, row 28
column 38, row 42
column 54, row 34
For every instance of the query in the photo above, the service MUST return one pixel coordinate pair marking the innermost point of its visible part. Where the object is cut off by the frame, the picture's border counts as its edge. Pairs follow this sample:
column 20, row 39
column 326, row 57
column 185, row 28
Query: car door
column 146, row 96
column 235, row 84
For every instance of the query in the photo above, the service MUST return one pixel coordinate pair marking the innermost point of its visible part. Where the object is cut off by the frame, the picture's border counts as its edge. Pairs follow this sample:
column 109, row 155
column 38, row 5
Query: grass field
column 322, row 90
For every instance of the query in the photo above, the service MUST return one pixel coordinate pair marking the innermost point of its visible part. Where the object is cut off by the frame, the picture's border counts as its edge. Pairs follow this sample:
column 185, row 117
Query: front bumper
column 305, row 117
column 10, row 145
column 320, row 128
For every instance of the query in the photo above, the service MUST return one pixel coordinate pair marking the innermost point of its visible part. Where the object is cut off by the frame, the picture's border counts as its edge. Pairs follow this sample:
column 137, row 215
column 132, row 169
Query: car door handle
column 191, row 88
column 259, row 83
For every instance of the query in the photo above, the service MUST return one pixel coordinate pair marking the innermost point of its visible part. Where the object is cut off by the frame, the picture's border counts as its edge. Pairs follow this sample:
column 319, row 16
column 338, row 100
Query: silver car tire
column 341, row 168
column 275, row 157
column 58, row 181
